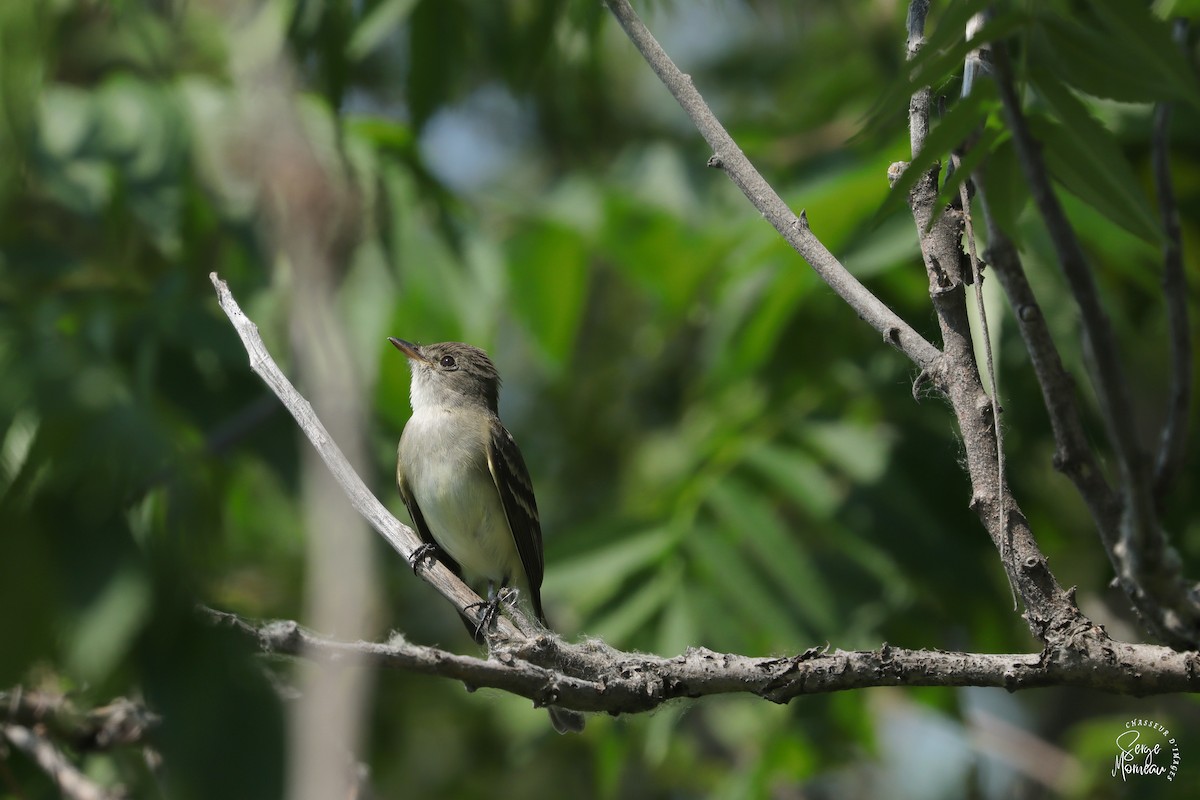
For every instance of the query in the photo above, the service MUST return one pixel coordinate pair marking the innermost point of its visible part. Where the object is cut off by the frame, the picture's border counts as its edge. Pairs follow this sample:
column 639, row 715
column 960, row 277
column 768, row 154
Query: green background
column 724, row 455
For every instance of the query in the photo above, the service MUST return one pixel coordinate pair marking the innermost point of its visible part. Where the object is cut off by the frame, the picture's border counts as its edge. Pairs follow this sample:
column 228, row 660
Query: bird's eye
column 448, row 362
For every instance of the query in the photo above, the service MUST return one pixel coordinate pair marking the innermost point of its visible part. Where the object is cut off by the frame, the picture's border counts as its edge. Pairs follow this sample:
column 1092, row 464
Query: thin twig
column 1173, row 445
column 1111, row 386
column 794, row 229
column 1074, row 456
column 120, row 722
column 1148, row 568
column 66, row 776
column 977, row 279
column 976, row 64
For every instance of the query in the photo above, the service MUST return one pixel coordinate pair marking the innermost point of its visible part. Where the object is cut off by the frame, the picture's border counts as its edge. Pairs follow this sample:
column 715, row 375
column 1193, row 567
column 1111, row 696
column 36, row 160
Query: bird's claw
column 426, row 552
column 487, row 617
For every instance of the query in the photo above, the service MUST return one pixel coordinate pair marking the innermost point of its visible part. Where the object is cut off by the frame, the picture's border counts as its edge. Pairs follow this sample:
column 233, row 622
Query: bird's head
column 450, row 374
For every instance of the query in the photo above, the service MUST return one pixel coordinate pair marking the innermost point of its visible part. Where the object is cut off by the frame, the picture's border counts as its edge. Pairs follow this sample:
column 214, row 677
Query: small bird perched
column 465, row 483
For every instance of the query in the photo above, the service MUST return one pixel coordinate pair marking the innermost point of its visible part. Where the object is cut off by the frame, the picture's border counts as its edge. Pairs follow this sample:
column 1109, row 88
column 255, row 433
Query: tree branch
column 1074, row 456
column 918, row 104
column 70, row 781
column 118, row 723
column 1111, row 387
column 593, row 677
column 1148, row 569
column 794, row 229
column 1173, row 444
column 948, row 270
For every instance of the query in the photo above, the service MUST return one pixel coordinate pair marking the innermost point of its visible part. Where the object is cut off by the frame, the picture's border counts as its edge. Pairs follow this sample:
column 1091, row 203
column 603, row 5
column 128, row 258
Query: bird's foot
column 508, row 595
column 487, row 617
column 426, row 552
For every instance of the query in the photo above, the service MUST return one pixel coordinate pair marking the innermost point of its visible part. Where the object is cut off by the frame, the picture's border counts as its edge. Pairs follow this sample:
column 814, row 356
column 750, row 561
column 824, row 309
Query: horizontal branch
column 117, row 723
column 596, row 678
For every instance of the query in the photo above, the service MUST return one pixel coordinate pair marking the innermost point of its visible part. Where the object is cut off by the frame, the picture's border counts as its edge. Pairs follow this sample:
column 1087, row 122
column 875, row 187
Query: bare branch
column 794, row 229
column 1172, row 447
column 918, row 104
column 66, row 776
column 976, row 63
column 1074, row 456
column 1148, row 568
column 117, row 723
column 948, row 269
column 593, row 677
column 1111, row 387
column 981, row 311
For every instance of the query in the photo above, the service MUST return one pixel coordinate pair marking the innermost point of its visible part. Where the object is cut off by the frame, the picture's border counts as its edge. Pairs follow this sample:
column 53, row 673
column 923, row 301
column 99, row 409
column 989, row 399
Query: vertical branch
column 1111, row 387
column 918, row 104
column 1147, row 567
column 1172, row 447
column 976, row 63
column 1073, row 456
column 949, row 270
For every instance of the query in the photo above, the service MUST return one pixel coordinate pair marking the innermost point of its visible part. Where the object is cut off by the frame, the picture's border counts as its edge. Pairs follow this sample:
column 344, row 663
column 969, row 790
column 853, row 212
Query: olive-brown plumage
column 464, row 482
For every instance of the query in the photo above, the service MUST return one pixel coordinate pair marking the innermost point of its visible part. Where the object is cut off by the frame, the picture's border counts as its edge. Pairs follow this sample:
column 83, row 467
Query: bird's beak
column 413, row 351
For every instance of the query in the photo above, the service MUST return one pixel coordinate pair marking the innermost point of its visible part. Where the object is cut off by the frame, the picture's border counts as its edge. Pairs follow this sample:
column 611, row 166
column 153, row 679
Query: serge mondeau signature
column 1137, row 758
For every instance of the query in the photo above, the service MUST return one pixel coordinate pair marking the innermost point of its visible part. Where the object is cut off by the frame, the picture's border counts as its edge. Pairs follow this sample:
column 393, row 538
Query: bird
column 465, row 484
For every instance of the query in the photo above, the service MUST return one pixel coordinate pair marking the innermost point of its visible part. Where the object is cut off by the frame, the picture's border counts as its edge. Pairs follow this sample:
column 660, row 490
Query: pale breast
column 450, row 481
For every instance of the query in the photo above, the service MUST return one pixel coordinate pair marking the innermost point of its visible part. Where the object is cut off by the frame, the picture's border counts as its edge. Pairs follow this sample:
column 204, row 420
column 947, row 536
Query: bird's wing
column 414, row 511
column 520, row 508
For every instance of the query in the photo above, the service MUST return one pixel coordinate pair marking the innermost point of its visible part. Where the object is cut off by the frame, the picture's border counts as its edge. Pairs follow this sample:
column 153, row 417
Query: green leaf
column 677, row 629
column 549, row 274
column 965, row 117
column 1133, row 60
column 779, row 553
column 730, row 574
column 802, row 478
column 1150, row 42
column 1007, row 192
column 67, row 119
column 107, row 628
column 861, row 451
column 942, row 58
column 376, row 26
column 592, row 579
column 1085, row 157
column 637, row 608
column 1175, row 9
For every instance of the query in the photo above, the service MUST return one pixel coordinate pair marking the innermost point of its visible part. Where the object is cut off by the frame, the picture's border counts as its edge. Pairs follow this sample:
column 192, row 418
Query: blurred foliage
column 724, row 455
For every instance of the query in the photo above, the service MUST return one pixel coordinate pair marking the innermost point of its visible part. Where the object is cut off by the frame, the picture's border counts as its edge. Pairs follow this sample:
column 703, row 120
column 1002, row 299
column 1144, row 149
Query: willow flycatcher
column 465, row 483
